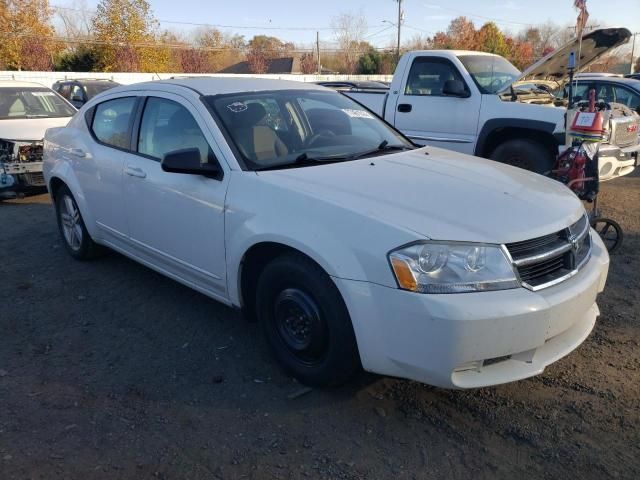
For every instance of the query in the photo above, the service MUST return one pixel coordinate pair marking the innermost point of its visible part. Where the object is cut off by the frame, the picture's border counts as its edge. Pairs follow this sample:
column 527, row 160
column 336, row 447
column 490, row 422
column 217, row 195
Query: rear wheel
column 74, row 234
column 306, row 322
column 524, row 153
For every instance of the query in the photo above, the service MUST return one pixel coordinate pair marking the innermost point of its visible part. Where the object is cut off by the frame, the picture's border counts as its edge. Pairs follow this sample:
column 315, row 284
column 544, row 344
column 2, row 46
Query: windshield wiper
column 383, row 147
column 302, row 160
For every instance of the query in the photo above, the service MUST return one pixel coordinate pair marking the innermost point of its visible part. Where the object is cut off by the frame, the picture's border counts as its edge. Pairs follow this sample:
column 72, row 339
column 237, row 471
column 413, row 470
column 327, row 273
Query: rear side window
column 112, row 120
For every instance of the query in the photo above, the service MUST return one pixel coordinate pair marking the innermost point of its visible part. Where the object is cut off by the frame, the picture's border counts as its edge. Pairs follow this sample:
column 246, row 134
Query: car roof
column 16, row 83
column 630, row 82
column 86, row 80
column 224, row 85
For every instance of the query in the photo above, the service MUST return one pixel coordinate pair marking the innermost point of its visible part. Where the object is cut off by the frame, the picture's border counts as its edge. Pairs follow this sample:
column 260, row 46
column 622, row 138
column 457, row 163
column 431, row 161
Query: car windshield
column 288, row 128
column 93, row 89
column 490, row 73
column 27, row 102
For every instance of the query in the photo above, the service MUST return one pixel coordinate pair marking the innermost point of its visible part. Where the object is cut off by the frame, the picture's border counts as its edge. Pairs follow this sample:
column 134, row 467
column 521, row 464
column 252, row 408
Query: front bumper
column 614, row 162
column 28, row 174
column 474, row 339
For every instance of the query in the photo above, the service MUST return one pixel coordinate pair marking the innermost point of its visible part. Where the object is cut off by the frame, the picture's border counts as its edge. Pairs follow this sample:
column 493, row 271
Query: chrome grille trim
column 545, row 261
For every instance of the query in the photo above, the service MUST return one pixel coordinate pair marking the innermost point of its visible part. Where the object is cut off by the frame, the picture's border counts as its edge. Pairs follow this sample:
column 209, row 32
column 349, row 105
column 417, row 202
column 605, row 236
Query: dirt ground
column 109, row 370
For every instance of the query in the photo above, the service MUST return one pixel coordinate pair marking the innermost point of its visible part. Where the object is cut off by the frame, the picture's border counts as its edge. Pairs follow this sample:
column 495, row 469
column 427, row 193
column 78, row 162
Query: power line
column 197, row 24
column 467, row 14
column 162, row 45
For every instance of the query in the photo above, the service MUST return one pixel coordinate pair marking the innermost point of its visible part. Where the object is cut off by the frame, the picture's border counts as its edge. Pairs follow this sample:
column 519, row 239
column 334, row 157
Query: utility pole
column 399, row 25
column 318, row 48
column 633, row 50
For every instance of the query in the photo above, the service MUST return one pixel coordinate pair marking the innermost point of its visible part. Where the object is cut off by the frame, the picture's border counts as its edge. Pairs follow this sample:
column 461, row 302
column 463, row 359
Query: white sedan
column 351, row 246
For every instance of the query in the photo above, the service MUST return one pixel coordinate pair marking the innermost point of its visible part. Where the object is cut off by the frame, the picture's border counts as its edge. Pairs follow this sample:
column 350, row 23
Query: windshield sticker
column 43, row 94
column 357, row 113
column 237, row 107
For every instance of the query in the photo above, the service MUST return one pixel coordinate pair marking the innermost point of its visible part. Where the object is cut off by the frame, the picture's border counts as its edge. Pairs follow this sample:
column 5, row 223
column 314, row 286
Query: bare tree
column 349, row 30
column 74, row 20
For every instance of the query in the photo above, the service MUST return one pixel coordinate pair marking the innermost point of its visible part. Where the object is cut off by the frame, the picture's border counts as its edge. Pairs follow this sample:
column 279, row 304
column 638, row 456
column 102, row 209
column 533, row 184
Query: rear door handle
column 135, row 172
column 404, row 107
column 78, row 152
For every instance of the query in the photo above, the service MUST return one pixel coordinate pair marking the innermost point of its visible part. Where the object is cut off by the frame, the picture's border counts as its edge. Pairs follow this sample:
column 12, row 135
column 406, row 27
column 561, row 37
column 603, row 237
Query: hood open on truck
column 594, row 44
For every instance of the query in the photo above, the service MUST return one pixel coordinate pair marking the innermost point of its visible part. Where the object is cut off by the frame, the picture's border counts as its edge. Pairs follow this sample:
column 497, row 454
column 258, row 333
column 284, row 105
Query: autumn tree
column 464, row 32
column 261, row 49
column 124, row 32
column 349, row 30
column 25, row 35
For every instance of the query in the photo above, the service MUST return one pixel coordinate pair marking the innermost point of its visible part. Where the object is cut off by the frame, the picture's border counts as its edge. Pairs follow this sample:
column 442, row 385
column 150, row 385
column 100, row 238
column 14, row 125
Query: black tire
column 523, row 153
column 610, row 231
column 306, row 321
column 82, row 247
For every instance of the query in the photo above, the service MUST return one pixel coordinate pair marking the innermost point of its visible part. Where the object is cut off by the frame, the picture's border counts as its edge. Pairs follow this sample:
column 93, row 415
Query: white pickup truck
column 480, row 104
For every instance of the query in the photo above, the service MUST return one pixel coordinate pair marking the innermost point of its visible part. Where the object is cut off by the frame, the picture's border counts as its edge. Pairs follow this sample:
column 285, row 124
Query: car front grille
column 34, row 179
column 624, row 131
column 550, row 259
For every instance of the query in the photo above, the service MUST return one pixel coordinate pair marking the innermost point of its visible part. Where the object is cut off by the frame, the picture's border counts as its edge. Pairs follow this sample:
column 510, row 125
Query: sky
column 298, row 21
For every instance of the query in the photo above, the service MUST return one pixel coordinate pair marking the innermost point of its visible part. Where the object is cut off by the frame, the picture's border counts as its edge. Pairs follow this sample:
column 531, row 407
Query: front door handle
column 135, row 172
column 404, row 107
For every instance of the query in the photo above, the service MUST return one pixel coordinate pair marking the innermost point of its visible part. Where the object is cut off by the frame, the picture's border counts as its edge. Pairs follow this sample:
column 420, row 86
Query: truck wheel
column 306, row 322
column 523, row 153
column 74, row 234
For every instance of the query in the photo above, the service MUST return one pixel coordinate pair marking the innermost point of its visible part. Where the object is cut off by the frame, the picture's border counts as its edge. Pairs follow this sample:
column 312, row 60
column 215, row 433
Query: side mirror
column 188, row 161
column 455, row 88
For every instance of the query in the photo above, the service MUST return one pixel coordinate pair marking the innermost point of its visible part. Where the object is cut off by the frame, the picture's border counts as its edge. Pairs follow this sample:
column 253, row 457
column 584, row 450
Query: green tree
column 82, row 59
column 370, row 62
column 491, row 40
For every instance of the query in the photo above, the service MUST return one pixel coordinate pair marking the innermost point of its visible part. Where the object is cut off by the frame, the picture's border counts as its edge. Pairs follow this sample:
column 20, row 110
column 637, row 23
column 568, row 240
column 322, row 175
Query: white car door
column 429, row 117
column 99, row 162
column 176, row 221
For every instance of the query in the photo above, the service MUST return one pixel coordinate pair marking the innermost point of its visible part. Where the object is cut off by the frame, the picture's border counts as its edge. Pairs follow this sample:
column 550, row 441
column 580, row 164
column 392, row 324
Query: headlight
column 452, row 267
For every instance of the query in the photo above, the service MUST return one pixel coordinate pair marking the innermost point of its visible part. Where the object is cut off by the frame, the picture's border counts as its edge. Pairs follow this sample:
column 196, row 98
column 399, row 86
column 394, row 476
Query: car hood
column 440, row 194
column 594, row 45
column 29, row 128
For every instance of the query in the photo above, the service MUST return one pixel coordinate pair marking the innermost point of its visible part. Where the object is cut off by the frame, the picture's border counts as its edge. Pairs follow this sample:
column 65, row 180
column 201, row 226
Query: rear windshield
column 490, row 73
column 93, row 89
column 27, row 102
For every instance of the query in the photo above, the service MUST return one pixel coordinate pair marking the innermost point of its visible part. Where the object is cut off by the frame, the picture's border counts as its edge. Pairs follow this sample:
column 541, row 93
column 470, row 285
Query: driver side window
column 167, row 126
column 428, row 76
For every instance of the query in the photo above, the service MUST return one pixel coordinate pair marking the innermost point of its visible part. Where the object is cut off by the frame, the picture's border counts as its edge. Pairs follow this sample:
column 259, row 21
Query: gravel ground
column 109, row 370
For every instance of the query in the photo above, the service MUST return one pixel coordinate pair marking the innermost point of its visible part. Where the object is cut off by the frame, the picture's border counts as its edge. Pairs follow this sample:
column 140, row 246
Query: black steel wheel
column 610, row 231
column 306, row 322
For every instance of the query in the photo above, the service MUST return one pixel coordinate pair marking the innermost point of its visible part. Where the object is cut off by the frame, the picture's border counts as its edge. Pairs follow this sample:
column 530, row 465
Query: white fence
column 49, row 78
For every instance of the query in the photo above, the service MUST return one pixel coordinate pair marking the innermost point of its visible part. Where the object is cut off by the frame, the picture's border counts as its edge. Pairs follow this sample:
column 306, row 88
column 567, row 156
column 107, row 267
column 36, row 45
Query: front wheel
column 610, row 231
column 306, row 322
column 523, row 153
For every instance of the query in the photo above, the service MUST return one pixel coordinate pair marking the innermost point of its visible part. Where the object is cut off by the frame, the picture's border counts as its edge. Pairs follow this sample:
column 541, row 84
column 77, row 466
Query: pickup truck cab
column 351, row 246
column 480, row 104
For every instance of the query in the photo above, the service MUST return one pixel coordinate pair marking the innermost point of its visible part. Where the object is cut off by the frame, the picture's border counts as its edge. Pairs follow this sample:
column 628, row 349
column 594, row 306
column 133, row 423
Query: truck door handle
column 135, row 172
column 404, row 107
column 78, row 152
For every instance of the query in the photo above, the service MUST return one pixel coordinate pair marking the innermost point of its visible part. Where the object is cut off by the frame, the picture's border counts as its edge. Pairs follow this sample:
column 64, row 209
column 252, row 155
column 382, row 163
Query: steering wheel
column 495, row 85
column 322, row 133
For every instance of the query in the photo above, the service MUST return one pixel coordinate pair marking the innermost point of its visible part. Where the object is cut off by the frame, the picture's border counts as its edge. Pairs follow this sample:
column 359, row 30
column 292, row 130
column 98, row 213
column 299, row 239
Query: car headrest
column 250, row 117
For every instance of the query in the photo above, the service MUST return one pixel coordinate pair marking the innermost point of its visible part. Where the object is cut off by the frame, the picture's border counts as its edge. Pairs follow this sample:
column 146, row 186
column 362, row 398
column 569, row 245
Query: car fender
column 346, row 244
column 57, row 166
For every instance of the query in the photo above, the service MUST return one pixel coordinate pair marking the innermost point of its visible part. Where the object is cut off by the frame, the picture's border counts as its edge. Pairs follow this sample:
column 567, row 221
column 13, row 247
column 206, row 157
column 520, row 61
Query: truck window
column 428, row 76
